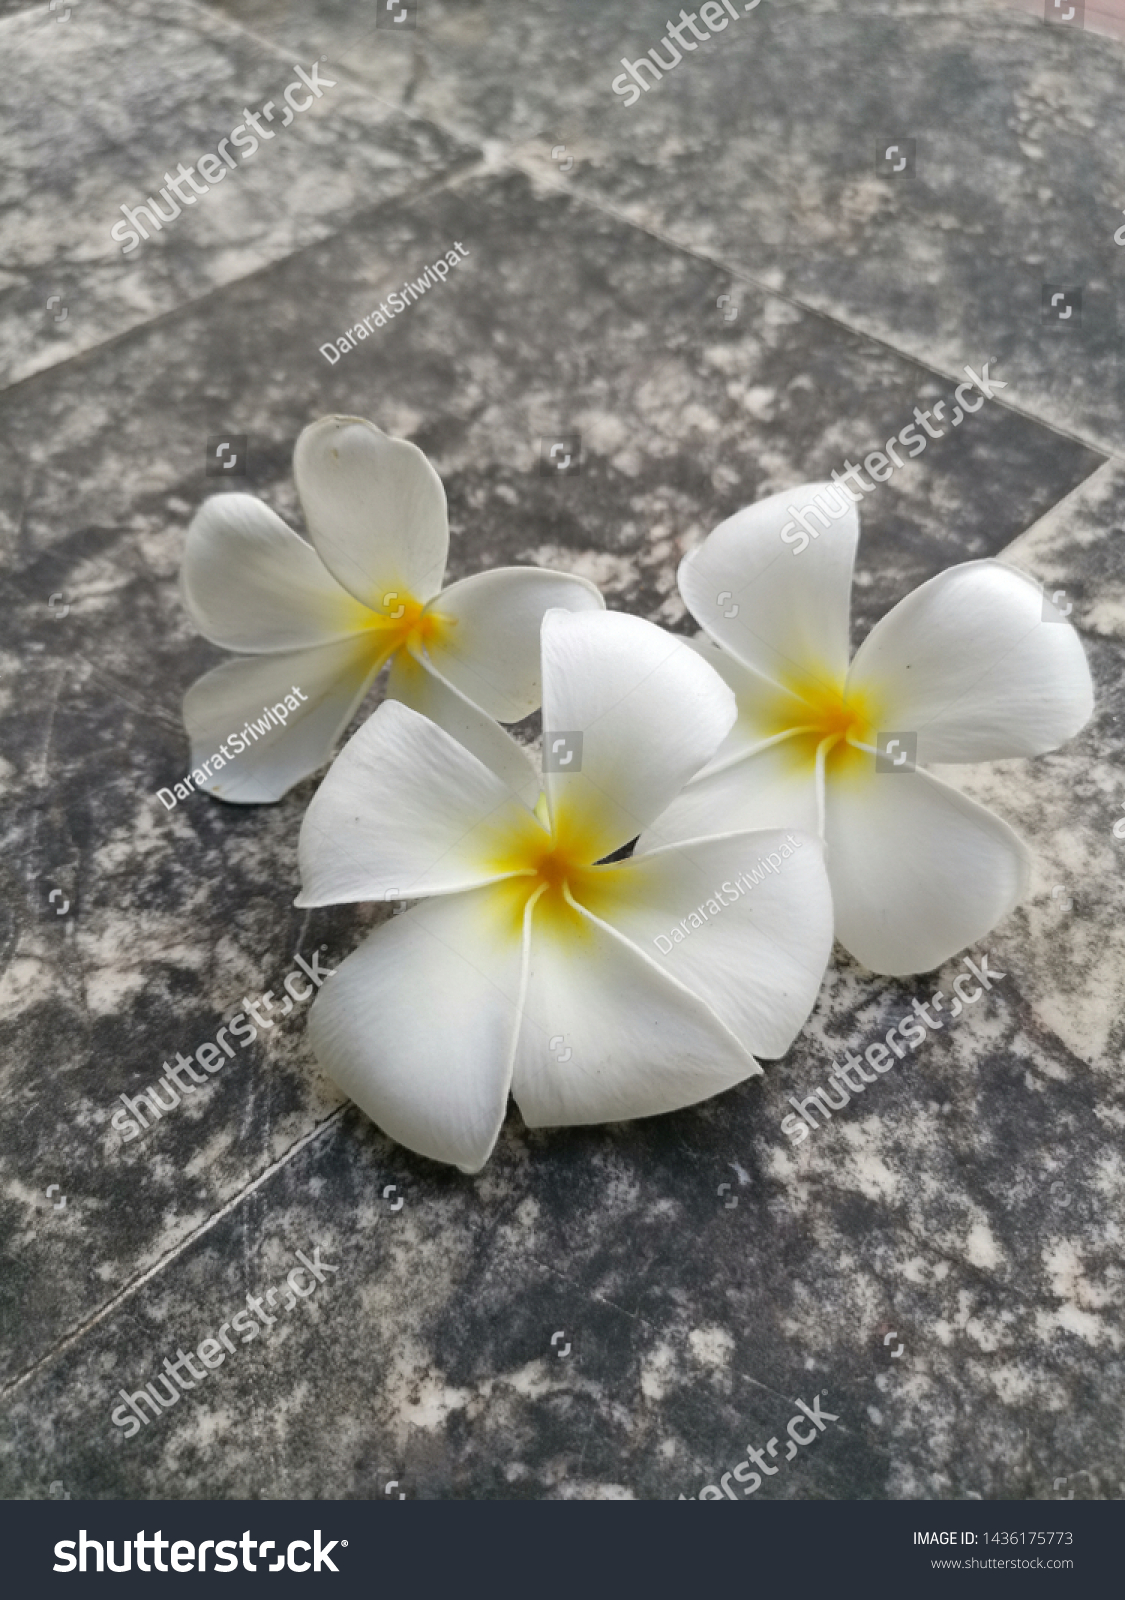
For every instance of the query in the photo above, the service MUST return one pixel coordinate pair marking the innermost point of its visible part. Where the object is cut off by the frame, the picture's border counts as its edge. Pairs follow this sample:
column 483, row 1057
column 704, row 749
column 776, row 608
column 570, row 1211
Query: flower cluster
column 546, row 954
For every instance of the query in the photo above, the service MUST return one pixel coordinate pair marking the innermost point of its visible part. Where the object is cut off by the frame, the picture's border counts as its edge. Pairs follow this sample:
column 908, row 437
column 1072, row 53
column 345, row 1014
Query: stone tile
column 967, row 1210
column 932, row 1224
column 1013, row 200
column 494, row 69
column 1012, row 192
column 175, row 917
column 966, row 1207
column 100, row 108
column 1069, row 937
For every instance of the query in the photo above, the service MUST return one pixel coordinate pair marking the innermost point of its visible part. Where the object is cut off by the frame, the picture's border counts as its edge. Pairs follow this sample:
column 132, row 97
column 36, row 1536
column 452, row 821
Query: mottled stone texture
column 609, row 1312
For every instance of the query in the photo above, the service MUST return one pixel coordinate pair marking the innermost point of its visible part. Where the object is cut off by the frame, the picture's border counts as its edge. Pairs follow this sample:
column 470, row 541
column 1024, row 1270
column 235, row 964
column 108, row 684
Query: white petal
column 375, row 510
column 491, row 651
column 971, row 664
column 421, row 687
column 406, row 811
column 790, row 603
column 418, row 1026
column 649, row 710
column 762, row 930
column 251, row 584
column 775, row 788
column 764, row 711
column 333, row 678
column 607, row 1035
column 918, row 871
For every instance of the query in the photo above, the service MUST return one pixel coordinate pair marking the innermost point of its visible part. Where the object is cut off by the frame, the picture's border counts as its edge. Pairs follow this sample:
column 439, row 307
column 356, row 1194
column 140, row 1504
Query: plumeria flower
column 974, row 665
column 592, row 990
column 315, row 622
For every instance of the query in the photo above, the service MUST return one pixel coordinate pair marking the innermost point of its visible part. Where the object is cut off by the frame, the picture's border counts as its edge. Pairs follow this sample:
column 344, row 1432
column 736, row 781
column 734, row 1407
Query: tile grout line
column 598, row 204
column 158, row 1266
column 223, row 19
column 1102, row 471
column 220, row 20
column 481, row 164
column 421, row 191
column 1106, row 470
column 514, row 163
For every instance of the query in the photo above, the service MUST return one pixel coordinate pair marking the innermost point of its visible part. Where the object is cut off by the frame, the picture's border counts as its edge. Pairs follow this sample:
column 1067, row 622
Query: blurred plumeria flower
column 324, row 618
column 973, row 666
column 531, row 964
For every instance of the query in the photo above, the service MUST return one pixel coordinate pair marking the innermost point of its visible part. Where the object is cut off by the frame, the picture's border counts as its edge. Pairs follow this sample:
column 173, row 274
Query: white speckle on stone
column 711, row 1347
column 981, row 1248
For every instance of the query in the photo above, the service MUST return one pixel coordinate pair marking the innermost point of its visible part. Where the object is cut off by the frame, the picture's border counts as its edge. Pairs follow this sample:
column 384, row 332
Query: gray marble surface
column 609, row 1312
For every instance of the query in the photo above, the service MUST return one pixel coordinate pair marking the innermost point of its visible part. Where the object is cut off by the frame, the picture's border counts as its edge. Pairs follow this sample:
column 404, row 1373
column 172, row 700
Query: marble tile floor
column 608, row 1312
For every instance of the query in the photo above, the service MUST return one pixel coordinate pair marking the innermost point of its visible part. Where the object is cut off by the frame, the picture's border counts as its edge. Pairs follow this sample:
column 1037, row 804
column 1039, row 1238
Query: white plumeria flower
column 974, row 665
column 531, row 964
column 324, row 618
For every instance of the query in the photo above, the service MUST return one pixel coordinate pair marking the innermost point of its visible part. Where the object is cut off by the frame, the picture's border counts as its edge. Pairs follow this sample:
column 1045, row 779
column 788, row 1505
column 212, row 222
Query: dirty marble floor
column 723, row 290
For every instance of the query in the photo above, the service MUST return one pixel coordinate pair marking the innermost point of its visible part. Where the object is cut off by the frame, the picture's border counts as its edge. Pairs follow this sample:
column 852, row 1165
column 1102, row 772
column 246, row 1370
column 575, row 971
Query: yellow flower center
column 404, row 623
column 553, row 868
column 548, row 866
column 832, row 712
column 827, row 710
